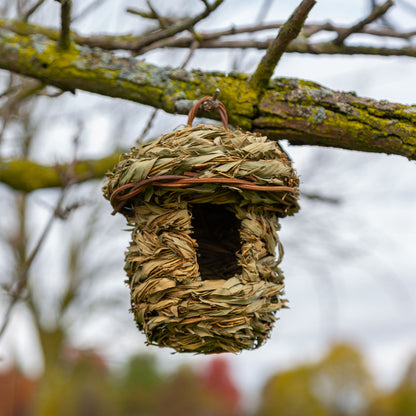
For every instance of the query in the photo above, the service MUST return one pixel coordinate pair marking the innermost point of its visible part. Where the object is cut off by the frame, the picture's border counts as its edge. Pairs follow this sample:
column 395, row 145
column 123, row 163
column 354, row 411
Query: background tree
column 337, row 385
column 402, row 400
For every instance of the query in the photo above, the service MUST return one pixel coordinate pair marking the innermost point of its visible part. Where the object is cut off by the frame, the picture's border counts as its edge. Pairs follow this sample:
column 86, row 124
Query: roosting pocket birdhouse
column 204, row 204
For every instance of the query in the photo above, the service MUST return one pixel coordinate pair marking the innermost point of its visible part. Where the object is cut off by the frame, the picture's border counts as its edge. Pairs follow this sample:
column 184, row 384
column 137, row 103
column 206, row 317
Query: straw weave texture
column 201, row 264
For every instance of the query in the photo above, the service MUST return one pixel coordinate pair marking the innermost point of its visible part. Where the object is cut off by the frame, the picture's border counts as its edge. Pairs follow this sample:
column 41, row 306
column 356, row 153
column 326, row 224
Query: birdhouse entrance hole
column 216, row 231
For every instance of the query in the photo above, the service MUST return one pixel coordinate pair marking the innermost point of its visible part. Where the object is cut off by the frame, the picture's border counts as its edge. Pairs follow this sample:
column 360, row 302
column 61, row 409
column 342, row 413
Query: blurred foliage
column 400, row 402
column 338, row 385
column 81, row 384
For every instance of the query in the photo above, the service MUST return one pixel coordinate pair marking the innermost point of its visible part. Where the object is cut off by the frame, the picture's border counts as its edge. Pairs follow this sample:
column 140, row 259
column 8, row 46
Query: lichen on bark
column 300, row 111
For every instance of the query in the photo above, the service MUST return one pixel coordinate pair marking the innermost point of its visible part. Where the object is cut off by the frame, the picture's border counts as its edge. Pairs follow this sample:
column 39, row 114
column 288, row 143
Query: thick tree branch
column 28, row 176
column 288, row 32
column 307, row 114
column 103, row 73
column 300, row 111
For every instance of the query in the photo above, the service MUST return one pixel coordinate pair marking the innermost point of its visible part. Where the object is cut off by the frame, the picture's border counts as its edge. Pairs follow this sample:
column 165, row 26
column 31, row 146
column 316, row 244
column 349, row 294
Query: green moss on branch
column 28, row 176
column 307, row 114
column 297, row 110
column 95, row 70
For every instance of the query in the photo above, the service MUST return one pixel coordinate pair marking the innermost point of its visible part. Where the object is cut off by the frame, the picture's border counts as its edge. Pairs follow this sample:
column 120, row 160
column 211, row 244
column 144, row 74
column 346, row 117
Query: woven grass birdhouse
column 203, row 203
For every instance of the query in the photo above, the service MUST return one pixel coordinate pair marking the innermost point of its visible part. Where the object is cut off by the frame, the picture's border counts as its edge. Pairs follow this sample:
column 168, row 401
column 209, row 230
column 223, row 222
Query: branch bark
column 65, row 35
column 300, row 111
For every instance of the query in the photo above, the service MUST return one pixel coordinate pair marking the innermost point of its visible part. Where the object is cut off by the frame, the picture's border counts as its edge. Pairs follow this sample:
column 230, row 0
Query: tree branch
column 32, row 10
column 376, row 13
column 65, row 35
column 300, row 111
column 28, row 176
column 180, row 26
column 288, row 32
column 210, row 40
column 307, row 114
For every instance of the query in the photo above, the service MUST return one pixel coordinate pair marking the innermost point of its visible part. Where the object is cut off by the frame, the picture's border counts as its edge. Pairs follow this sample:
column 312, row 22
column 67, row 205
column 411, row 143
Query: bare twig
column 192, row 49
column 300, row 47
column 162, row 22
column 16, row 94
column 148, row 126
column 375, row 14
column 312, row 29
column 308, row 30
column 288, row 32
column 211, row 40
column 141, row 13
column 180, row 26
column 65, row 36
column 383, row 19
column 321, row 198
column 92, row 6
column 167, row 20
column 32, row 10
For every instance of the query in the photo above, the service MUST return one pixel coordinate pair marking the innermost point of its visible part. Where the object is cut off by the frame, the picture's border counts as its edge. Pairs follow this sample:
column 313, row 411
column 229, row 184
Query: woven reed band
column 119, row 199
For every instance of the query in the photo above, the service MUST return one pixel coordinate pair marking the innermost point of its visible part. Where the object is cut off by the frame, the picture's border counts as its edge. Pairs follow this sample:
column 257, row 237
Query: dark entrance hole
column 216, row 231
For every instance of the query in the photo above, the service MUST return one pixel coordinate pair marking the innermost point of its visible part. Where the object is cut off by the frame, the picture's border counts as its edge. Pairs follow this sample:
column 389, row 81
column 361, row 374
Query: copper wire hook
column 209, row 104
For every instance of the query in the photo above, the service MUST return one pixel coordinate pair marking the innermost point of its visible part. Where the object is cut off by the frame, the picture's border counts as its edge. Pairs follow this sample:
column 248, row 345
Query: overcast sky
column 349, row 267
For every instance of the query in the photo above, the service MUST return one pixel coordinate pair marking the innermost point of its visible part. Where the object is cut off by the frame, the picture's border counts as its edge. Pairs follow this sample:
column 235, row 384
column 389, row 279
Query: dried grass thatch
column 204, row 204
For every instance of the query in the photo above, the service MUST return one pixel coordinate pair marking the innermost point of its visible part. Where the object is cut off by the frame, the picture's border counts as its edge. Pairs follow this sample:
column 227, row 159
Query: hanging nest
column 203, row 203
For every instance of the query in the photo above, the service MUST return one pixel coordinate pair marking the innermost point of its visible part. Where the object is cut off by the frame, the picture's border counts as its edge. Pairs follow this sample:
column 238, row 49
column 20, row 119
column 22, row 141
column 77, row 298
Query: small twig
column 299, row 47
column 16, row 95
column 32, row 10
column 180, row 26
column 321, row 198
column 192, row 49
column 167, row 20
column 145, row 15
column 148, row 126
column 162, row 22
column 288, row 32
column 92, row 6
column 375, row 14
column 64, row 41
column 383, row 19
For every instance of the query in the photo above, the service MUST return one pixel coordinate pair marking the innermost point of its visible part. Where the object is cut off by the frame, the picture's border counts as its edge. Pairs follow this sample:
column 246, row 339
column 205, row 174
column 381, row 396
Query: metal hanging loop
column 209, row 104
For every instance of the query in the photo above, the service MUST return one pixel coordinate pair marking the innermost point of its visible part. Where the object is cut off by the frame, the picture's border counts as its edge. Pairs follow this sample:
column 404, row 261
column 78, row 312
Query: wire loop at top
column 209, row 104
